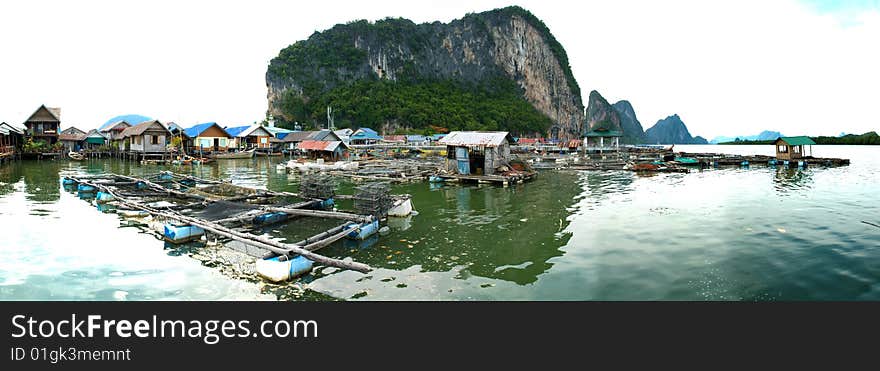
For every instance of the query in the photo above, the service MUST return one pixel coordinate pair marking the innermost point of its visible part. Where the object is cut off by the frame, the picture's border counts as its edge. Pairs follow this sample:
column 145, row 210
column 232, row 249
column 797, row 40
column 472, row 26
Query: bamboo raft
column 191, row 207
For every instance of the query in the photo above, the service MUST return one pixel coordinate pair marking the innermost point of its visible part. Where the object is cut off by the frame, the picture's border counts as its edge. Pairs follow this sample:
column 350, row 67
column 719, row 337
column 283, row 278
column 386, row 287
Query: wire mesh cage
column 317, row 185
column 373, row 199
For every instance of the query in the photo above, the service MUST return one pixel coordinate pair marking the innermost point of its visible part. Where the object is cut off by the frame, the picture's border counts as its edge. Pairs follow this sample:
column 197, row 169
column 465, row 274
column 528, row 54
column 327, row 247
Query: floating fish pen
column 184, row 208
column 674, row 162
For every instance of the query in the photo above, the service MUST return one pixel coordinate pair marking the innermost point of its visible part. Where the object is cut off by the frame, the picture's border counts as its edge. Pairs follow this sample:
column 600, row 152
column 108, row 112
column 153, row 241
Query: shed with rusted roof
column 476, row 152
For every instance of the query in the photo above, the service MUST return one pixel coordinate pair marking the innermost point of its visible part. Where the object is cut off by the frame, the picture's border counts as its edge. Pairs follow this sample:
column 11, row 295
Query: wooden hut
column 179, row 132
column 209, row 137
column 95, row 139
column 72, row 139
column 11, row 139
column 792, row 148
column 476, row 152
column 250, row 136
column 43, row 124
column 148, row 137
column 334, row 150
column 365, row 136
column 291, row 140
column 113, row 133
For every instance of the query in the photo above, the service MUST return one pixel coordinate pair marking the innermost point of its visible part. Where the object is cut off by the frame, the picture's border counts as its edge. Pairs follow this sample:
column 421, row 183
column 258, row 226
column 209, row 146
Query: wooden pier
column 502, row 180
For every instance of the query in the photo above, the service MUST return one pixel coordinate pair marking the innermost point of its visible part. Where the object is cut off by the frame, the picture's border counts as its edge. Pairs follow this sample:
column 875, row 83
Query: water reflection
column 787, row 180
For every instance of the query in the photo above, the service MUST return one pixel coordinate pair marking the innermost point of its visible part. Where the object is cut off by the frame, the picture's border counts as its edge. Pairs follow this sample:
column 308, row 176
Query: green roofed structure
column 792, row 148
column 596, row 138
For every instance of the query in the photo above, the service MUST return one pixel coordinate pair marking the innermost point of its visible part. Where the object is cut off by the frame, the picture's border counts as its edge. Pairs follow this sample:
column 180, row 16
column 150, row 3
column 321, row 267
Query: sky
column 726, row 68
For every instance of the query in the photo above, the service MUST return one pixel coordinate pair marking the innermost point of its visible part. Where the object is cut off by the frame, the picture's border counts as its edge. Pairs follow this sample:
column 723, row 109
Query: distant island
column 869, row 138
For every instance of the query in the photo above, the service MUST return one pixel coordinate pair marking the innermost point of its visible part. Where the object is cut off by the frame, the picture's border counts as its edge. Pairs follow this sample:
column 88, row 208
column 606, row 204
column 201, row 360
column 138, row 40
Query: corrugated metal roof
column 7, row 128
column 395, row 138
column 416, row 138
column 141, row 128
column 318, row 145
column 798, row 141
column 244, row 131
column 76, row 137
column 276, row 131
column 298, row 136
column 476, row 138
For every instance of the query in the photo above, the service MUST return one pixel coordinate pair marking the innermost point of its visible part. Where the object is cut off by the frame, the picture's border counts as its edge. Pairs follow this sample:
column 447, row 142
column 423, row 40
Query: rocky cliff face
column 633, row 133
column 672, row 130
column 507, row 43
column 601, row 115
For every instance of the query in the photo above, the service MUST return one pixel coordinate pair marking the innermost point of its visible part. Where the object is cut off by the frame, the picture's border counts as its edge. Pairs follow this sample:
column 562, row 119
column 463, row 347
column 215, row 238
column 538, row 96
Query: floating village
column 182, row 208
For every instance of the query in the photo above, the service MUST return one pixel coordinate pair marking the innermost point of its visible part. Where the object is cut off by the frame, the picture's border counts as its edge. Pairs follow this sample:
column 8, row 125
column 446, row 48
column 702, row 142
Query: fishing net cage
column 373, row 199
column 318, row 185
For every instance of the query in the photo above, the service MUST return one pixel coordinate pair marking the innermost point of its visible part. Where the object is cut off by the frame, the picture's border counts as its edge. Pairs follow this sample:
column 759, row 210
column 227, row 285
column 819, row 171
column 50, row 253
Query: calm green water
column 735, row 234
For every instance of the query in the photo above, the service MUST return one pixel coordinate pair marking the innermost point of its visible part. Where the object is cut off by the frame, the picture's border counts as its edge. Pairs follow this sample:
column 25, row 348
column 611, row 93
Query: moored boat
column 243, row 154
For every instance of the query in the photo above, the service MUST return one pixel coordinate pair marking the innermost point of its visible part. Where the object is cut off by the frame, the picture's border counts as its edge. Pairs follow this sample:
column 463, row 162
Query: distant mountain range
column 764, row 135
column 672, row 130
column 131, row 119
column 621, row 116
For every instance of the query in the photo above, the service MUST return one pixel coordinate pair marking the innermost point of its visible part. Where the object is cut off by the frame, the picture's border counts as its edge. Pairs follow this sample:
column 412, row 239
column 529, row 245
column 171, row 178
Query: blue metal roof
column 415, row 138
column 198, row 129
column 237, row 130
column 366, row 133
column 438, row 136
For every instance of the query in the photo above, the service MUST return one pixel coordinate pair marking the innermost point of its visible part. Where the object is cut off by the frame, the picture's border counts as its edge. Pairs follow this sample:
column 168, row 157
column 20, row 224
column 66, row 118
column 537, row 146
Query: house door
column 216, row 144
column 461, row 156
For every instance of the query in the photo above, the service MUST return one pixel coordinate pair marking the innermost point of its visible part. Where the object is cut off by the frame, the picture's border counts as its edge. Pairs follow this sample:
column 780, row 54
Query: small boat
column 76, row 156
column 270, row 154
column 686, row 160
column 243, row 154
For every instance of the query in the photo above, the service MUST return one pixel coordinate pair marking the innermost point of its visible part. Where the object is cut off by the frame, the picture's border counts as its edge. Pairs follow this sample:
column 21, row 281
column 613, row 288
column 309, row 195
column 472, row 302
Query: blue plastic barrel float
column 140, row 185
column 165, row 176
column 435, row 179
column 367, row 230
column 105, row 208
column 277, row 270
column 182, row 233
column 67, row 181
column 85, row 188
column 326, row 204
column 104, row 197
column 269, row 218
column 802, row 164
column 745, row 163
column 772, row 162
column 188, row 182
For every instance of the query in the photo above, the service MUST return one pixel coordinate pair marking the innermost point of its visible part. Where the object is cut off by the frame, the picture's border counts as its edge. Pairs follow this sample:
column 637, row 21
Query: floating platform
column 183, row 208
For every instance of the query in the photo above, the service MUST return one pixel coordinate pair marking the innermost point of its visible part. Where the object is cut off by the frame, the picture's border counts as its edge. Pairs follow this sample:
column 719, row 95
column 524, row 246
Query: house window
column 222, row 142
column 782, row 148
column 154, row 139
column 797, row 149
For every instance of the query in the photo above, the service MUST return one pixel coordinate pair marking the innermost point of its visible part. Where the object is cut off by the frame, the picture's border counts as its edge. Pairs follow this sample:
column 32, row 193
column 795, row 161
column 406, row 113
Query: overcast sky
column 727, row 68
